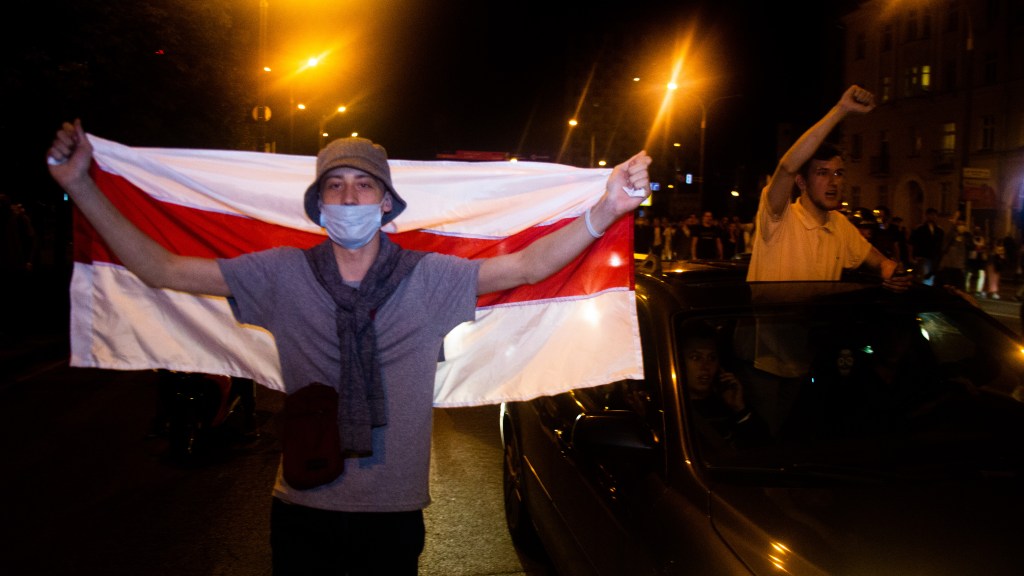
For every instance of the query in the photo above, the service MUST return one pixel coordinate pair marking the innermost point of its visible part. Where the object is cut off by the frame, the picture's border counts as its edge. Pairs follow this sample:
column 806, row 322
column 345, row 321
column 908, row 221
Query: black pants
column 310, row 542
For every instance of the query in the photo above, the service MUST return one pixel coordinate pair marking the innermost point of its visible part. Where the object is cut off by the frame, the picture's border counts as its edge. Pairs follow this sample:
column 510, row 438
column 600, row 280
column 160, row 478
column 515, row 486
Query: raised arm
column 855, row 99
column 553, row 252
column 69, row 159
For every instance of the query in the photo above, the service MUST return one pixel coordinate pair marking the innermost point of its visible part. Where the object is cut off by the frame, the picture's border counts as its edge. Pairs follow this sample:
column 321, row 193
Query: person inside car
column 716, row 396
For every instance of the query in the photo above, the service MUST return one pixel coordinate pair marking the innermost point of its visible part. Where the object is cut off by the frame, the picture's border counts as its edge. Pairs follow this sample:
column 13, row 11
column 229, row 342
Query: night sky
column 435, row 76
column 425, row 77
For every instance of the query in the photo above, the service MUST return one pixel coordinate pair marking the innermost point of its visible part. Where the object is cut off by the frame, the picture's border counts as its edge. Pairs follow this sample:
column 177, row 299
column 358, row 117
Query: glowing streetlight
column 323, row 123
column 310, row 63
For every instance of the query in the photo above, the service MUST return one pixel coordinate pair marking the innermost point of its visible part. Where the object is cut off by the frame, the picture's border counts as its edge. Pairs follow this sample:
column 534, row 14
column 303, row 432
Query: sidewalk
column 1009, row 284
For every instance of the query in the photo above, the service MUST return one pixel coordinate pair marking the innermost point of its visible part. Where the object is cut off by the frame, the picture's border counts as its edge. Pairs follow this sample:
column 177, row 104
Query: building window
column 926, row 26
column 856, row 147
column 860, row 47
column 949, row 136
column 855, row 196
column 947, row 201
column 917, row 80
column 910, row 81
column 886, row 37
column 883, row 195
column 886, row 89
column 988, row 133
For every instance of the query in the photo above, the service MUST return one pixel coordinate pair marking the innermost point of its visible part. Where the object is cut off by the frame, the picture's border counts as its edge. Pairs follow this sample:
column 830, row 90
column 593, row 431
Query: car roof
column 711, row 285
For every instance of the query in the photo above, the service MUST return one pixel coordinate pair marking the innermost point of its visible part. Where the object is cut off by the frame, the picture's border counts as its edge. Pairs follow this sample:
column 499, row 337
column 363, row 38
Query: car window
column 640, row 396
column 855, row 383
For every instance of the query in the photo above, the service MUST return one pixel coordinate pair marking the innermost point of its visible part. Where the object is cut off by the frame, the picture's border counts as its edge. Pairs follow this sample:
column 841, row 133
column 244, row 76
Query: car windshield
column 851, row 384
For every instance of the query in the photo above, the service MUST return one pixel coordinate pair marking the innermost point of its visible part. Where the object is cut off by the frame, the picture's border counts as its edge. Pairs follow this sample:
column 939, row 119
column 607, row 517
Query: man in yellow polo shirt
column 809, row 239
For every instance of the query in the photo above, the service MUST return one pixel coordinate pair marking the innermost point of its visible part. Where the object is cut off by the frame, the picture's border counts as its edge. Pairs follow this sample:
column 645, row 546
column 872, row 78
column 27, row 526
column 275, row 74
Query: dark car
column 782, row 428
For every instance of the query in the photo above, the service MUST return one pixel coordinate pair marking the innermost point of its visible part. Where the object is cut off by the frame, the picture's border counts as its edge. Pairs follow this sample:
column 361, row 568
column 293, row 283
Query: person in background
column 994, row 269
column 359, row 312
column 953, row 261
column 977, row 256
column 707, row 241
column 18, row 250
column 643, row 236
column 658, row 242
column 925, row 246
column 886, row 238
column 684, row 237
column 668, row 241
column 902, row 237
column 809, row 239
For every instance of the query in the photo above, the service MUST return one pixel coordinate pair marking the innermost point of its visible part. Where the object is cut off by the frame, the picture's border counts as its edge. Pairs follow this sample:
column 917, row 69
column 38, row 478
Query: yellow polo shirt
column 796, row 247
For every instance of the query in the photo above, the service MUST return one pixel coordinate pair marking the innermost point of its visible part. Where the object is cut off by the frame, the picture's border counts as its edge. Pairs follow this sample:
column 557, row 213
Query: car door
column 598, row 494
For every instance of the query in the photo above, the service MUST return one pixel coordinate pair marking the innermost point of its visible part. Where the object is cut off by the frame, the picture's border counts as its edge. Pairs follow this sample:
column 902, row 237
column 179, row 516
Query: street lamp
column 573, row 123
column 703, row 130
column 323, row 124
column 261, row 106
column 292, row 106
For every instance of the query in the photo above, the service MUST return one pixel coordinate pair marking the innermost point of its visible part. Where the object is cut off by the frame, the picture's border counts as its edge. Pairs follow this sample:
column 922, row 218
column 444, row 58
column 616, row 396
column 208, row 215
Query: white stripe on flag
column 120, row 323
column 509, row 352
column 540, row 348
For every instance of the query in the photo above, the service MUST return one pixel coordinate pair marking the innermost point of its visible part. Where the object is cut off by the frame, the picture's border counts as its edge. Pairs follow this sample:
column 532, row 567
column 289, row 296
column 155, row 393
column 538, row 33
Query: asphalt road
column 1005, row 310
column 86, row 490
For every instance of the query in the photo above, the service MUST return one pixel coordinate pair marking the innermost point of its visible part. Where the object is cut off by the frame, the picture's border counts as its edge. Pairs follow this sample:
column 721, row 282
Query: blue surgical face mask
column 351, row 226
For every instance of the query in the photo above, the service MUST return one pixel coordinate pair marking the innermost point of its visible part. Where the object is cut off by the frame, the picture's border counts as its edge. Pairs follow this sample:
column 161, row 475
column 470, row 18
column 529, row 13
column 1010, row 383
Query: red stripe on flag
column 607, row 264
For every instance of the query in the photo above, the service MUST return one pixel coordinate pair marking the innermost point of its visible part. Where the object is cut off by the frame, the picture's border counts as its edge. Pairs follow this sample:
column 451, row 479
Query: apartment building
column 948, row 131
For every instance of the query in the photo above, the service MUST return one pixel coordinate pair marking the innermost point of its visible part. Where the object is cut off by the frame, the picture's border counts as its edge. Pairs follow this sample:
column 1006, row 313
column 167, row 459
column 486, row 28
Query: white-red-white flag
column 576, row 329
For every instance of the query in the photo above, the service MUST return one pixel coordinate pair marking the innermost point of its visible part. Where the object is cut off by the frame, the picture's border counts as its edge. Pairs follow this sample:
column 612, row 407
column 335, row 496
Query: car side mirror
column 616, row 434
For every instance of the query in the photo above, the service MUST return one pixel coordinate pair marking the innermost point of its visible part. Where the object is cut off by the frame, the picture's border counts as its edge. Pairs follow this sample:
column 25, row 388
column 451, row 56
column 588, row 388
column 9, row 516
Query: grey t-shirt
column 276, row 289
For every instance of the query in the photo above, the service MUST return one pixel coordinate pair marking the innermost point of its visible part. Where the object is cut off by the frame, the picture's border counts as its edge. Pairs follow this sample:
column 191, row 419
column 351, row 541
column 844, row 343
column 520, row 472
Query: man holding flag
column 358, row 314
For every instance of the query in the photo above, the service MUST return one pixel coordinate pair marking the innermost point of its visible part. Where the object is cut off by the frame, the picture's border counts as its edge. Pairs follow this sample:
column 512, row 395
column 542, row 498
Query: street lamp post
column 292, row 106
column 261, row 105
column 323, row 124
column 703, row 130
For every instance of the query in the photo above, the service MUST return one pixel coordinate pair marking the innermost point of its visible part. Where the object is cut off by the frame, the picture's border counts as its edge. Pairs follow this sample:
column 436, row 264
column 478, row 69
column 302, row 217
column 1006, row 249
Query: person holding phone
column 716, row 395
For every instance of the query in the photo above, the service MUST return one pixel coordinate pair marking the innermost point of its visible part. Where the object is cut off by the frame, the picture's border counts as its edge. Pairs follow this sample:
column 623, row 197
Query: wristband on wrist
column 590, row 227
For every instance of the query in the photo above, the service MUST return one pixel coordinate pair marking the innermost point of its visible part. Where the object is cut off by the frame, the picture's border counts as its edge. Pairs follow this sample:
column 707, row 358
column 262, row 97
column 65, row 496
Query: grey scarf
column 361, row 399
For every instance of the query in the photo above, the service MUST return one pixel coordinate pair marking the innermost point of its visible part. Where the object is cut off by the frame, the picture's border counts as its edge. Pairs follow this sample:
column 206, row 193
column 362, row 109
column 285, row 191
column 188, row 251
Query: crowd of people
column 940, row 250
column 943, row 251
column 693, row 238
